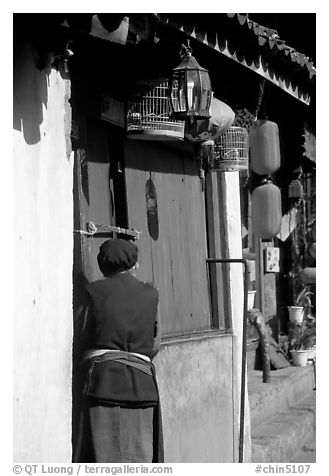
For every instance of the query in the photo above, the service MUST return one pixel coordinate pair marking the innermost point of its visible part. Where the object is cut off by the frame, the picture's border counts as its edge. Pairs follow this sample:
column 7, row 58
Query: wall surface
column 195, row 381
column 43, row 244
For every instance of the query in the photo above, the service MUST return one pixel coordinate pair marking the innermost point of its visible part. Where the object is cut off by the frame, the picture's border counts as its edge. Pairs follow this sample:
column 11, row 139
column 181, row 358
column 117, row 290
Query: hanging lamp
column 308, row 275
column 190, row 88
column 265, row 148
column 222, row 117
column 312, row 250
column 266, row 213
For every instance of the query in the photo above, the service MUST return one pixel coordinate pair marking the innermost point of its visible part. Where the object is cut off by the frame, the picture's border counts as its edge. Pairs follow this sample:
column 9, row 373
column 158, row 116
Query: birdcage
column 231, row 151
column 149, row 118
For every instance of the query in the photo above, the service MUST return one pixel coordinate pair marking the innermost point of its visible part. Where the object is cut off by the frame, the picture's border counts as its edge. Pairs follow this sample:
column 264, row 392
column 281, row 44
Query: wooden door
column 174, row 259
column 98, row 193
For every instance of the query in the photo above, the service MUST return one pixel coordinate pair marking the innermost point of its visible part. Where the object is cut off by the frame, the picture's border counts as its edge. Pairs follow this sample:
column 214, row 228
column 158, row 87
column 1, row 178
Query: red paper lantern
column 308, row 275
column 222, row 117
column 295, row 189
column 265, row 148
column 312, row 250
column 266, row 214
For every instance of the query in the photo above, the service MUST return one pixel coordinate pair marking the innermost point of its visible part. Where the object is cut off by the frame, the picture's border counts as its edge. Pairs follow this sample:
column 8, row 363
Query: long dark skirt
column 113, row 434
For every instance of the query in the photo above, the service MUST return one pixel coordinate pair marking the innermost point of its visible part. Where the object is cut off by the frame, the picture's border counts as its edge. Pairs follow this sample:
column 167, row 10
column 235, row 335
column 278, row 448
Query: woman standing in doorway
column 120, row 419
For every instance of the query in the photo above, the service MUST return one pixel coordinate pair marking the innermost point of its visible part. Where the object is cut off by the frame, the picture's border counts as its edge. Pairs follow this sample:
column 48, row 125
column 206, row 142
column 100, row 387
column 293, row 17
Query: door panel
column 100, row 209
column 94, row 200
column 176, row 261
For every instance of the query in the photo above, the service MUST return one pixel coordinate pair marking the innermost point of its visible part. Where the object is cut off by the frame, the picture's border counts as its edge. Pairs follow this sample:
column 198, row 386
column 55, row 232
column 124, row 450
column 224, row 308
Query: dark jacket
column 124, row 317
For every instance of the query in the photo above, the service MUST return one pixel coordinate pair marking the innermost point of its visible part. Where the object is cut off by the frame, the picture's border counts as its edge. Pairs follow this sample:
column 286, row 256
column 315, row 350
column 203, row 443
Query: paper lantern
column 308, row 275
column 312, row 250
column 295, row 189
column 221, row 119
column 265, row 148
column 266, row 213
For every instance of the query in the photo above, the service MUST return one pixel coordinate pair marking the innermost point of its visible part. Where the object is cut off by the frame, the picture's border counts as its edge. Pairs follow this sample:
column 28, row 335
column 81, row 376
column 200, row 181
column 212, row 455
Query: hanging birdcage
column 231, row 151
column 150, row 118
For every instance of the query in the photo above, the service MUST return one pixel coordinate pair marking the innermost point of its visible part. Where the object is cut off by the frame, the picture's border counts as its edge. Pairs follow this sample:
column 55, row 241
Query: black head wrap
column 116, row 255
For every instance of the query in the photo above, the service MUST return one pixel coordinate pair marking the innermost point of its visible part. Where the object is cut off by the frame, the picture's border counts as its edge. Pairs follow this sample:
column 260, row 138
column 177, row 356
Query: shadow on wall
column 29, row 91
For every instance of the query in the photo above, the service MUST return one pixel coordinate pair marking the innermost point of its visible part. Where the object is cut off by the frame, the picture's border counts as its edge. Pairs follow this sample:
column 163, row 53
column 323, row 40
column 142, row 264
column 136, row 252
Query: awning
column 252, row 45
column 233, row 35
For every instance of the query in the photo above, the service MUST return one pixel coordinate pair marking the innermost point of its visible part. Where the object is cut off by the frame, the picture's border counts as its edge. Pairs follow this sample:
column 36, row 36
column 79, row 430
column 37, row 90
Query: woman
column 120, row 420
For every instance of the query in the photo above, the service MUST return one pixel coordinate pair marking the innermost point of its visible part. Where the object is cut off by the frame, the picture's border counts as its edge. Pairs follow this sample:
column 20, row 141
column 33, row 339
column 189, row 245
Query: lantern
column 312, row 250
column 308, row 275
column 266, row 214
column 190, row 88
column 265, row 148
column 222, row 117
column 295, row 189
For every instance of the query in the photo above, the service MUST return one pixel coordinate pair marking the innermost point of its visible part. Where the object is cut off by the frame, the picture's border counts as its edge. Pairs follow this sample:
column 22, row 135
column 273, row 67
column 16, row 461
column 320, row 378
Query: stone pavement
column 282, row 415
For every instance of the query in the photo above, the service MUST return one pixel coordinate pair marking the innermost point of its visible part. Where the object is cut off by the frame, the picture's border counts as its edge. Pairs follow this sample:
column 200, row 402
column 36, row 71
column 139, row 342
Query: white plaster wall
column 43, row 256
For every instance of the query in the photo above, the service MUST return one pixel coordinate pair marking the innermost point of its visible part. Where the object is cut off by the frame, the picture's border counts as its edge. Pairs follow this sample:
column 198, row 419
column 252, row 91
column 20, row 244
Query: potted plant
column 302, row 341
column 302, row 306
column 296, row 314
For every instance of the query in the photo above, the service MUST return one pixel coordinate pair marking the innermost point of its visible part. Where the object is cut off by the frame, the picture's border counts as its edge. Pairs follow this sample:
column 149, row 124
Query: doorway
column 99, row 198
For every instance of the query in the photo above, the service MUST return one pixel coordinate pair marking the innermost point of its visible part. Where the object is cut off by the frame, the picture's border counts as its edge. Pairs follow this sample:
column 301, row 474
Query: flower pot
column 296, row 314
column 251, row 299
column 299, row 357
column 311, row 354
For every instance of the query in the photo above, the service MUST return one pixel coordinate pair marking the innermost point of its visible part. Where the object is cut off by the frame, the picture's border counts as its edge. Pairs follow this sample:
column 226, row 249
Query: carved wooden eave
column 254, row 46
